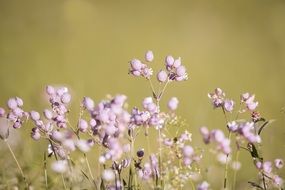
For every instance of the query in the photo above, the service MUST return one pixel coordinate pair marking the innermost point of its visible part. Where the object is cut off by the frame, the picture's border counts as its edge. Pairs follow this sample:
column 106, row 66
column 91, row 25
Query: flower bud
column 65, row 98
column 50, row 90
column 181, row 71
column 173, row 103
column 140, row 153
column 149, row 56
column 35, row 115
column 88, row 103
column 169, row 60
column 12, row 103
column 82, row 125
column 48, row 114
column 162, row 76
column 177, row 62
column 19, row 101
column 136, row 64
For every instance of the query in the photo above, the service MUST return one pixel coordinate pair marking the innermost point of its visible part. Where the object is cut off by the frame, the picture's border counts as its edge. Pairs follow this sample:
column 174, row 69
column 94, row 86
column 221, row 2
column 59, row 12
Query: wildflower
column 88, row 103
column 205, row 134
column 12, row 103
column 140, row 69
column 217, row 98
column 249, row 101
column 162, row 76
column 236, row 165
column 36, row 135
column 108, row 175
column 82, row 125
column 267, row 167
column 16, row 115
column 50, row 90
column 149, row 56
column 247, row 131
column 223, row 158
column 59, row 166
column 83, row 145
column 232, row 126
column 173, row 103
column 277, row 181
column 279, row 163
column 35, row 115
column 203, row 186
column 65, row 98
column 48, row 114
column 169, row 61
column 188, row 151
column 229, row 105
column 146, row 172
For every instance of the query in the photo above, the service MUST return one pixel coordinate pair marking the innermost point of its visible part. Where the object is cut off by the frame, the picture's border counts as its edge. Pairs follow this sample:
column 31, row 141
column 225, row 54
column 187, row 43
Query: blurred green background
column 238, row 46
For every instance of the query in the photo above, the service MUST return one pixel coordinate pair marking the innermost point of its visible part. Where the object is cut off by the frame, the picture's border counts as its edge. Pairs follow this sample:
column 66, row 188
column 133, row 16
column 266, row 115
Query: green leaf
column 253, row 184
column 266, row 123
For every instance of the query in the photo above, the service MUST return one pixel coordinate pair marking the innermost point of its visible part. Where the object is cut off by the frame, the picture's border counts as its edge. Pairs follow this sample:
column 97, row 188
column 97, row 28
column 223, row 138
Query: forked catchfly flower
column 174, row 69
column 142, row 147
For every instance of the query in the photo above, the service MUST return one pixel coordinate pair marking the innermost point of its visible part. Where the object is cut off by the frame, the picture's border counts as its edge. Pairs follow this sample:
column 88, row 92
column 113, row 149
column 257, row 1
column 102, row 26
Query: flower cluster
column 16, row 115
column 218, row 98
column 173, row 162
column 266, row 169
column 217, row 136
column 149, row 116
column 246, row 130
column 174, row 70
column 138, row 68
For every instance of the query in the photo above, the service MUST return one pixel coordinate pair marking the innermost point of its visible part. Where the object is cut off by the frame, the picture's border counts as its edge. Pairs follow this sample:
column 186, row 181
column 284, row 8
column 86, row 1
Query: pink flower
column 149, row 56
column 173, row 103
column 278, row 163
column 229, row 105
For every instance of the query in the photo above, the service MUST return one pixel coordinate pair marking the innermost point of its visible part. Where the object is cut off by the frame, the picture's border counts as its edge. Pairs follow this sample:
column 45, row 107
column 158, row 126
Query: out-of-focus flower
column 232, row 126
column 249, row 101
column 229, row 105
column 82, row 125
column 83, row 145
column 267, row 167
column 173, row 103
column 203, row 186
column 140, row 69
column 162, row 76
column 279, row 163
column 88, row 103
column 59, row 166
column 236, row 165
column 108, row 175
column 277, row 181
column 217, row 97
column 218, row 137
column 149, row 56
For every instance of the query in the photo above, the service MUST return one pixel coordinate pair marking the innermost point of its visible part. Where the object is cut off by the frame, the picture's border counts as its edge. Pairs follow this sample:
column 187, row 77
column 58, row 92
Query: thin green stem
column 63, row 182
column 90, row 172
column 235, row 172
column 227, row 166
column 18, row 165
column 163, row 90
column 151, row 86
column 45, row 170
